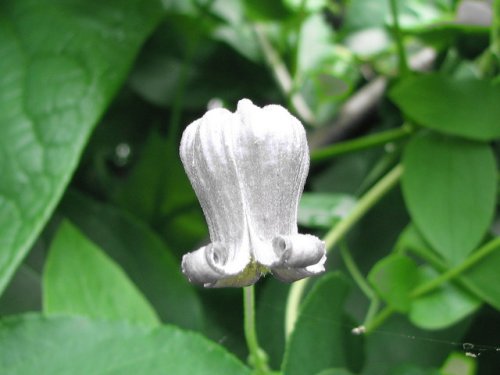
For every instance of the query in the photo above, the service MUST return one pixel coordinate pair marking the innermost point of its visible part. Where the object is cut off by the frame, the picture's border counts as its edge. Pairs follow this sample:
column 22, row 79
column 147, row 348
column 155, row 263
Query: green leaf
column 61, row 63
column 79, row 279
column 443, row 307
column 482, row 278
column 323, row 210
column 467, row 107
column 449, row 186
column 241, row 37
column 33, row 344
column 315, row 44
column 310, row 6
column 394, row 277
column 411, row 240
column 317, row 333
column 459, row 364
column 364, row 14
column 264, row 10
column 136, row 248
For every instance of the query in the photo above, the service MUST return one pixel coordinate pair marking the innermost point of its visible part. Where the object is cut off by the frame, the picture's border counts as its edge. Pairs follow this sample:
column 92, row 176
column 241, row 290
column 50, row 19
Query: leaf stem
column 356, row 274
column 435, row 283
column 362, row 143
column 364, row 204
column 372, row 311
column 403, row 60
column 475, row 257
column 379, row 319
column 359, row 279
column 257, row 357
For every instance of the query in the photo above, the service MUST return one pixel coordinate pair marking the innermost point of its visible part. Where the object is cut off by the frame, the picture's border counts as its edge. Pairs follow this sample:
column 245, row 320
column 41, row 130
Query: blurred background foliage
column 94, row 97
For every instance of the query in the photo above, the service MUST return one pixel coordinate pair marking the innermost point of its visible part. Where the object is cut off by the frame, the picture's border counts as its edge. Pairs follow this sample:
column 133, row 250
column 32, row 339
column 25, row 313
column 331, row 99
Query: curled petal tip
column 299, row 250
column 197, row 269
column 289, row 274
column 213, row 267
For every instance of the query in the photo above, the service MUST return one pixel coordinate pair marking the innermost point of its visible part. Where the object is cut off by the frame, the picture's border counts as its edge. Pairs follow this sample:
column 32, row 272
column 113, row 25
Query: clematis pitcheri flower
column 248, row 170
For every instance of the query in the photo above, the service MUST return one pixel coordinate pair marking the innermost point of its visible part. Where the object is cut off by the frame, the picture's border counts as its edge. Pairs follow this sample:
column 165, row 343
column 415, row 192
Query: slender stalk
column 361, row 282
column 257, row 357
column 378, row 319
column 435, row 283
column 362, row 143
column 364, row 204
column 372, row 311
column 283, row 77
column 292, row 305
column 403, row 60
column 356, row 274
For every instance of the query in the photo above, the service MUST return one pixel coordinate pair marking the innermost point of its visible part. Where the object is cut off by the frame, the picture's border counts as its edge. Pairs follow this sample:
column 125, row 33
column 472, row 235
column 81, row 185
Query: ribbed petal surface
column 248, row 170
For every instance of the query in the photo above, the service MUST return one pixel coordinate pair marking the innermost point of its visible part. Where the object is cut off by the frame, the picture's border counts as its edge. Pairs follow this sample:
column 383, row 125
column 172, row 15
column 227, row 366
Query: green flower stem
column 257, row 357
column 364, row 204
column 435, row 283
column 283, row 77
column 403, row 60
column 362, row 143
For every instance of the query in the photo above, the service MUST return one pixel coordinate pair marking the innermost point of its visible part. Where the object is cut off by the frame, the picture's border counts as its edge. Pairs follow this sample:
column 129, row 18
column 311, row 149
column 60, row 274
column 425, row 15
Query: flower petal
column 272, row 159
column 208, row 266
column 248, row 170
column 206, row 153
column 288, row 274
column 299, row 250
column 198, row 269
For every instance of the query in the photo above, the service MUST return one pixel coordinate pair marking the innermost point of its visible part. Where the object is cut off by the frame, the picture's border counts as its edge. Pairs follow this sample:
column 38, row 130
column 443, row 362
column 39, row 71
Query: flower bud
column 248, row 170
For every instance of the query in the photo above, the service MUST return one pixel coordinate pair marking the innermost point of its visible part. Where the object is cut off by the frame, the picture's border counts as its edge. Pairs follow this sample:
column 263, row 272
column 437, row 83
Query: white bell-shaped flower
column 248, row 170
